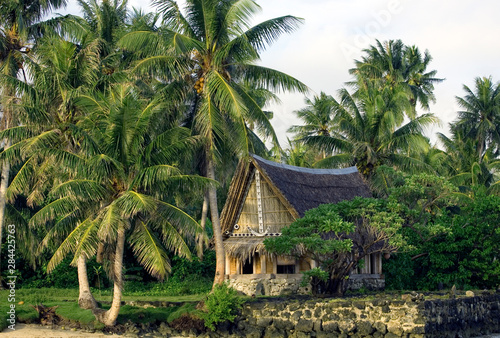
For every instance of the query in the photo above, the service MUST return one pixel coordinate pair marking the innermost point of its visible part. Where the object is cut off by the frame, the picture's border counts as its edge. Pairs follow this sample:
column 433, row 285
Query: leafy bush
column 222, row 304
column 182, row 268
column 337, row 237
column 63, row 276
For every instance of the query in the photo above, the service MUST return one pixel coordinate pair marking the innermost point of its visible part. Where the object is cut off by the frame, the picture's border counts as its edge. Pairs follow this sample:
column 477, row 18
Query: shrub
column 222, row 304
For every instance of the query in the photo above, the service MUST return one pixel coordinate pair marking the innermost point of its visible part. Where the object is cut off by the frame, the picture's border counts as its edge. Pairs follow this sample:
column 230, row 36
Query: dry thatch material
column 288, row 192
column 244, row 248
column 306, row 188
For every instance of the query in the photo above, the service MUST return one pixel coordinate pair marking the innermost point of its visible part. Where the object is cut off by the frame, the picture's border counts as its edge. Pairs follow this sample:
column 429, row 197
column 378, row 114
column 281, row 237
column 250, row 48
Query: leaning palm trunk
column 85, row 299
column 219, row 246
column 108, row 318
column 200, row 239
column 4, row 183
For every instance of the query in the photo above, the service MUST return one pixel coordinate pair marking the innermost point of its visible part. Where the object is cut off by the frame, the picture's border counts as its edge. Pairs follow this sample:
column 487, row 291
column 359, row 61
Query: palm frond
column 265, row 33
column 335, row 161
column 70, row 244
column 149, row 251
column 58, row 208
column 271, row 79
column 131, row 203
column 80, row 189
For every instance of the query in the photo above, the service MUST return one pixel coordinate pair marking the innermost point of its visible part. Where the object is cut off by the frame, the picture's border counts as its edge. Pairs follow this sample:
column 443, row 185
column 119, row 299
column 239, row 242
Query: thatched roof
column 244, row 248
column 300, row 189
column 306, row 188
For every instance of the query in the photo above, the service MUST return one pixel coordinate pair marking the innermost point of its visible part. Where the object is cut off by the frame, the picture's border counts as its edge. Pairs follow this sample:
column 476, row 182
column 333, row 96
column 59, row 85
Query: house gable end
column 274, row 212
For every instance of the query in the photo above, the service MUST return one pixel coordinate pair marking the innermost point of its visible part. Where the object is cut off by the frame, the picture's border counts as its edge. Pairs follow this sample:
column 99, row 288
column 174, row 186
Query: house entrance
column 247, row 267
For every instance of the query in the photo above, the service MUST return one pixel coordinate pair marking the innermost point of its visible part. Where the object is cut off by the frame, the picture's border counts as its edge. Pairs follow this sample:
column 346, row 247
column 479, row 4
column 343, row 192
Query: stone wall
column 409, row 316
column 269, row 285
column 467, row 317
column 277, row 285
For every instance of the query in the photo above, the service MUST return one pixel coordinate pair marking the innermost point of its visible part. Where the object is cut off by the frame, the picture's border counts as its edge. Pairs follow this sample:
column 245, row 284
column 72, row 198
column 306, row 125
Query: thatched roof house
column 264, row 197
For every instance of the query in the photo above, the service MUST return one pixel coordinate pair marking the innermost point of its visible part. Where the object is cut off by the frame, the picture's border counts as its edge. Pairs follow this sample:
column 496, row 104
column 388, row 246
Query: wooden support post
column 314, row 264
column 228, row 265
column 263, row 267
column 238, row 267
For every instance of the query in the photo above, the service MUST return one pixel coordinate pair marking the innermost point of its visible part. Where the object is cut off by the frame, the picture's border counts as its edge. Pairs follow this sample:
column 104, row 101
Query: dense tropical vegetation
column 124, row 128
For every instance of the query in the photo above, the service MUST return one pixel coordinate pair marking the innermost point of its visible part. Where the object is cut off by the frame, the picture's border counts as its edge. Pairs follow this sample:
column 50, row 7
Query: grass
column 25, row 312
column 66, row 300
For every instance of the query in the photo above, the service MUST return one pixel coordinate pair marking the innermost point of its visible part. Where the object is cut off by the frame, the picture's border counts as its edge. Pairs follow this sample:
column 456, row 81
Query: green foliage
column 338, row 236
column 182, row 268
column 307, row 231
column 193, row 285
column 315, row 274
column 221, row 305
column 71, row 311
column 467, row 254
column 24, row 313
column 94, row 154
column 452, row 237
column 182, row 310
column 400, row 272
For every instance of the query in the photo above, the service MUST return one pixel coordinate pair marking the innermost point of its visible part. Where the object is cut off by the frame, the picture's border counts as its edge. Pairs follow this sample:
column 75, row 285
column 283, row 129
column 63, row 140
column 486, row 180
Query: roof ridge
column 343, row 171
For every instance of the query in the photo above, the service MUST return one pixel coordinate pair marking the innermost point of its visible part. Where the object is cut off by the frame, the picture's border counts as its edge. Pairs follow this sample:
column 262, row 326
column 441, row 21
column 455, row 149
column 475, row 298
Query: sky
column 461, row 36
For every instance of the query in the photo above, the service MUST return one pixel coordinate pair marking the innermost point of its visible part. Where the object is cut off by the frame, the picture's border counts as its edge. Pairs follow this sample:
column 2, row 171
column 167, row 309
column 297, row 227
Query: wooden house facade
column 266, row 196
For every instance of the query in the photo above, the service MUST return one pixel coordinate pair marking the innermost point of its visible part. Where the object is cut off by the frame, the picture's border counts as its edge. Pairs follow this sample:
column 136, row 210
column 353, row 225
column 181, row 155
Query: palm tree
column 104, row 22
column 298, row 154
column 372, row 131
column 317, row 117
column 60, row 71
column 19, row 22
column 461, row 162
column 480, row 119
column 220, row 48
column 120, row 189
column 392, row 63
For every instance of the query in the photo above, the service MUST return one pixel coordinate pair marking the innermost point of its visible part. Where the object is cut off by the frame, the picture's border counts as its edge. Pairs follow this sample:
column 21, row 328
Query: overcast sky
column 461, row 36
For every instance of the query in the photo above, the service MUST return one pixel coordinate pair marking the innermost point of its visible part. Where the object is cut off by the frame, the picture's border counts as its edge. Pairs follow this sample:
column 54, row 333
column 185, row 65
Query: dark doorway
column 247, row 267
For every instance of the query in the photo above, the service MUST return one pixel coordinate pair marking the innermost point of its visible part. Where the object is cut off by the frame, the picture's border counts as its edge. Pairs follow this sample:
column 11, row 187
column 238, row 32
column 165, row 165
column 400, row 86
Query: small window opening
column 286, row 269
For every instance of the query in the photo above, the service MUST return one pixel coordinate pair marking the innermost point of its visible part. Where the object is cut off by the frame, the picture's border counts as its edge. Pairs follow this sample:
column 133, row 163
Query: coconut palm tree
column 104, row 22
column 221, row 49
column 317, row 117
column 298, row 154
column 60, row 71
column 480, row 119
column 393, row 63
column 120, row 187
column 461, row 162
column 372, row 131
column 19, row 22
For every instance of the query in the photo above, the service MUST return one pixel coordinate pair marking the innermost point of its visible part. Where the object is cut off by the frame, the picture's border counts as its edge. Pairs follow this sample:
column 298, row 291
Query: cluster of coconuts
column 199, row 85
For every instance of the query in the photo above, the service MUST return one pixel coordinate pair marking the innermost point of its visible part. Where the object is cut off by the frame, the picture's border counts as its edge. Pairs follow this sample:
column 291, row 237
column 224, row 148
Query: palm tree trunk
column 85, row 300
column 203, row 223
column 108, row 318
column 481, row 150
column 4, row 183
column 220, row 257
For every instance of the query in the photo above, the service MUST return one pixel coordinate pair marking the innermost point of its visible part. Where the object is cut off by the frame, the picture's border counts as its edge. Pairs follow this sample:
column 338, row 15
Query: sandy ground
column 35, row 331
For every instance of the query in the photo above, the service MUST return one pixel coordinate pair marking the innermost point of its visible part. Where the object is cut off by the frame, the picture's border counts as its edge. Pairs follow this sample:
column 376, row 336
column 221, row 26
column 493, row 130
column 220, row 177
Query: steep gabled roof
column 301, row 189
column 306, row 188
